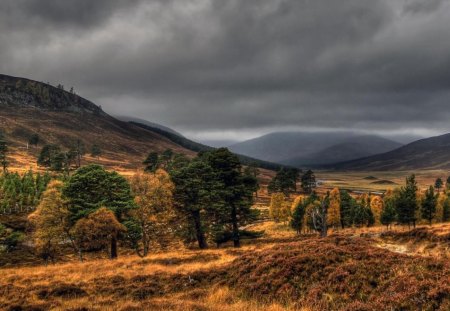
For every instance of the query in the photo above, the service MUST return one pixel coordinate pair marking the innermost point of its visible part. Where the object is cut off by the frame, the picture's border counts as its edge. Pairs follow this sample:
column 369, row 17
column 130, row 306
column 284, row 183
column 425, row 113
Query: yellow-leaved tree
column 440, row 206
column 50, row 222
column 98, row 230
column 334, row 209
column 154, row 197
column 377, row 205
column 276, row 206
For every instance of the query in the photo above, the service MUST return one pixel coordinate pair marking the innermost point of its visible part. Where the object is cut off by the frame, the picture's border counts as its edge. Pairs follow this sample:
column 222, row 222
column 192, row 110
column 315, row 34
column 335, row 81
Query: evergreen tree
column 388, row 214
column 151, row 162
column 96, row 151
column 3, row 153
column 348, row 205
column 308, row 181
column 298, row 214
column 429, row 202
column 406, row 202
column 236, row 193
column 34, row 140
column 92, row 187
column 438, row 184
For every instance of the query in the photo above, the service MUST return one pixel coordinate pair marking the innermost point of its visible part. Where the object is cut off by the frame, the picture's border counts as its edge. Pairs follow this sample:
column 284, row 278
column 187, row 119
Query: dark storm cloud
column 242, row 66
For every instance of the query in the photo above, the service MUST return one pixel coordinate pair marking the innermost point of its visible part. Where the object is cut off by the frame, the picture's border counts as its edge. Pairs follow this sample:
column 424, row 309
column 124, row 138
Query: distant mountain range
column 429, row 153
column 302, row 149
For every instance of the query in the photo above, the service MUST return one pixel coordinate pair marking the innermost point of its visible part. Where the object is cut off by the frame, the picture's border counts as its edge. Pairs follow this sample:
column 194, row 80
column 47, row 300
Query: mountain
column 59, row 117
column 305, row 148
column 429, row 153
column 217, row 143
column 148, row 123
column 353, row 148
column 197, row 147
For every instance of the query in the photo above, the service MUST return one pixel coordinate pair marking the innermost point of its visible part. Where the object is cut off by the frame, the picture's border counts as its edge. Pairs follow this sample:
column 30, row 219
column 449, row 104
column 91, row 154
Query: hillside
column 430, row 153
column 354, row 148
column 60, row 117
column 305, row 148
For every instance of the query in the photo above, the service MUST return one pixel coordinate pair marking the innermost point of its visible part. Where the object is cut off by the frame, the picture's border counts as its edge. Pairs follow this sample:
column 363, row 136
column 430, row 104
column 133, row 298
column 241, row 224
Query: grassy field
column 280, row 271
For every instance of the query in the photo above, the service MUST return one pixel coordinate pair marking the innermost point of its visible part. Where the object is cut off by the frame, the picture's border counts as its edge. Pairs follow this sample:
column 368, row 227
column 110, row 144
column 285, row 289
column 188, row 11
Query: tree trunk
column 114, row 247
column 236, row 240
column 199, row 231
column 324, row 231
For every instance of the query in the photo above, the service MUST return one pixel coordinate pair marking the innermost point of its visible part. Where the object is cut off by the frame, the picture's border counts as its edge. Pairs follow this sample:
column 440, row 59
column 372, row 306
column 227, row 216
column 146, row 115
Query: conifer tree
column 151, row 162
column 388, row 214
column 298, row 212
column 3, row 153
column 438, row 184
column 406, row 202
column 429, row 202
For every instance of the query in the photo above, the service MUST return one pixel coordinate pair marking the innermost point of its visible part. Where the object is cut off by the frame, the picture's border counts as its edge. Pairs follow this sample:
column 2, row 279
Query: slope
column 429, row 153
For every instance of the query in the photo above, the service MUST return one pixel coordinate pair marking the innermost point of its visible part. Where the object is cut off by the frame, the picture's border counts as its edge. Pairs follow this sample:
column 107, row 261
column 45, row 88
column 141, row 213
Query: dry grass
column 222, row 279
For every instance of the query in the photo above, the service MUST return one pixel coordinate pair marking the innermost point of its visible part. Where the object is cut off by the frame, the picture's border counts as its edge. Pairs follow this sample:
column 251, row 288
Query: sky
column 236, row 69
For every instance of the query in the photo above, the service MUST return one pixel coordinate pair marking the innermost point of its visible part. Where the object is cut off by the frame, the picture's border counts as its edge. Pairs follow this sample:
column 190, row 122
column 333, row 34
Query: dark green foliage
column 151, row 162
column 429, row 202
column 438, row 184
column 92, row 187
column 388, row 214
column 96, row 151
column 3, row 153
column 48, row 155
column 297, row 216
column 285, row 181
column 308, row 181
column 348, row 205
column 134, row 232
column 213, row 197
column 11, row 241
column 406, row 202
column 446, row 211
column 21, row 193
column 34, row 140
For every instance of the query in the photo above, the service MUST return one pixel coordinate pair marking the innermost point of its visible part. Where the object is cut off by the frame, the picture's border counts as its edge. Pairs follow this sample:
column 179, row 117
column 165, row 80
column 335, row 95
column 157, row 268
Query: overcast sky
column 229, row 69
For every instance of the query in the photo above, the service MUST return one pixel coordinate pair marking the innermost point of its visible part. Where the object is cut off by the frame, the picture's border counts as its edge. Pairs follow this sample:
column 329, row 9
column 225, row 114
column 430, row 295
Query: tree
column 98, row 230
column 429, row 203
column 48, row 155
column 3, row 153
column 348, row 204
column 194, row 194
column 388, row 214
column 253, row 171
column 406, row 202
column 284, row 181
column 447, row 184
column 151, row 162
column 298, row 213
column 438, row 184
column 34, row 140
column 442, row 201
column 154, row 199
column 308, row 181
column 236, row 193
column 334, row 209
column 376, row 206
column 165, row 158
column 50, row 222
column 92, row 187
column 276, row 206
column 96, row 151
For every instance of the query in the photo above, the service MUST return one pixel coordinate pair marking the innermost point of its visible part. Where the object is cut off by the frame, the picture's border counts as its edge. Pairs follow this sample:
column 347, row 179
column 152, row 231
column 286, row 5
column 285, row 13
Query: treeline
column 206, row 200
column 338, row 209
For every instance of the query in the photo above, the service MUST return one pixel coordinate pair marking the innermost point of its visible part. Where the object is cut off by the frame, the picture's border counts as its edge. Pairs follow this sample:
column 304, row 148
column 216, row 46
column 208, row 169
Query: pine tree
column 406, row 202
column 438, row 184
column 96, row 151
column 3, row 153
column 428, row 208
column 151, row 162
column 308, row 181
column 388, row 214
column 348, row 205
column 298, row 209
